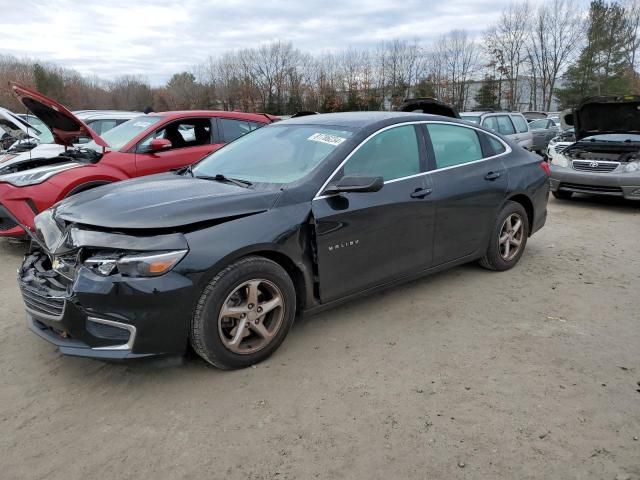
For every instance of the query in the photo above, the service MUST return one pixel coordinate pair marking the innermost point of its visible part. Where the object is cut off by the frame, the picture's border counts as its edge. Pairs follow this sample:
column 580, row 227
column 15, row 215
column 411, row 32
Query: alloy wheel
column 511, row 236
column 251, row 316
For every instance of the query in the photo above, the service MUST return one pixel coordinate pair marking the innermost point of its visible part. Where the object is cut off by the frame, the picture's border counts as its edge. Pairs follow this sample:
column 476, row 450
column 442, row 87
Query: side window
column 490, row 122
column 182, row 133
column 520, row 123
column 232, row 129
column 505, row 126
column 391, row 154
column 453, row 144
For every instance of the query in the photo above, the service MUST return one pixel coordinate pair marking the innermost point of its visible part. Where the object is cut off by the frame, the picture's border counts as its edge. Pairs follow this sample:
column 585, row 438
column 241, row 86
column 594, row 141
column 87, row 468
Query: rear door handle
column 492, row 176
column 420, row 192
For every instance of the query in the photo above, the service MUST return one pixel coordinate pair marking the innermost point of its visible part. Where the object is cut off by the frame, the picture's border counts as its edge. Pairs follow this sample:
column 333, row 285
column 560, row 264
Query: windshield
column 119, row 136
column 274, row 154
column 471, row 118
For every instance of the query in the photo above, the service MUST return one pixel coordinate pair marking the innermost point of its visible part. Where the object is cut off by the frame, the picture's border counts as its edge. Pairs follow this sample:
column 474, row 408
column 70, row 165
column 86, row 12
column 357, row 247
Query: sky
column 159, row 38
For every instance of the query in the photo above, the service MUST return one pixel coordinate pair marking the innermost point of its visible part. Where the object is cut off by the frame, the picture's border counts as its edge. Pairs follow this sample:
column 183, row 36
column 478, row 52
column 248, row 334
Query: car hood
column 162, row 202
column 604, row 114
column 428, row 105
column 64, row 125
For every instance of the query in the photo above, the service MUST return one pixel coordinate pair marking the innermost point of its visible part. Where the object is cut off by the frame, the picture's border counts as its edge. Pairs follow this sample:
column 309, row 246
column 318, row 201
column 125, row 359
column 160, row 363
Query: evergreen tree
column 487, row 96
column 601, row 67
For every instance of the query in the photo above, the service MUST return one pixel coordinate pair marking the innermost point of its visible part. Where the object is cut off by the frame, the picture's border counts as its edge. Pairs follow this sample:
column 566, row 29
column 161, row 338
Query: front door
column 368, row 239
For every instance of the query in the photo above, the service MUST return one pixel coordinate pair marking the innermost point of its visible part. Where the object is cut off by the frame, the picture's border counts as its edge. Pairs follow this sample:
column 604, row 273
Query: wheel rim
column 511, row 236
column 251, row 316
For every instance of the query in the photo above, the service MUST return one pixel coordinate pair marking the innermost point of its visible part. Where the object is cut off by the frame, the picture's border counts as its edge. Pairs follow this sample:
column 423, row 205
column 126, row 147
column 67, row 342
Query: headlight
column 35, row 175
column 134, row 265
column 632, row 167
column 560, row 160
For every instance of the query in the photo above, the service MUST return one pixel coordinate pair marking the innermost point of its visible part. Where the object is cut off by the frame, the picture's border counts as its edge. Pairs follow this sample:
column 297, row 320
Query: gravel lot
column 531, row 373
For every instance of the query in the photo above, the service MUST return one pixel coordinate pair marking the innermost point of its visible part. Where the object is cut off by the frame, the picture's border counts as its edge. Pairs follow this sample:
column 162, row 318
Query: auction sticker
column 324, row 138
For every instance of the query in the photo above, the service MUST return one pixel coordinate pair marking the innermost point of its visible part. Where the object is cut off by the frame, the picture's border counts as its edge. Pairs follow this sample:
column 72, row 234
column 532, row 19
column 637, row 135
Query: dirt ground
column 532, row 373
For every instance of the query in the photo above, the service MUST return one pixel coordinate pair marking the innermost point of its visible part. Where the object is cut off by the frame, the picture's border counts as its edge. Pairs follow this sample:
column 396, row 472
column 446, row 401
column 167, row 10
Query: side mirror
column 356, row 183
column 158, row 144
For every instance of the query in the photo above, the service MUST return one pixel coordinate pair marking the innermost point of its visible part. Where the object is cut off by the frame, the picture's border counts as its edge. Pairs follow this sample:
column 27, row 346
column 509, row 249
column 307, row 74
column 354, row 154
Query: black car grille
column 6, row 221
column 36, row 302
column 44, row 291
column 594, row 166
column 574, row 187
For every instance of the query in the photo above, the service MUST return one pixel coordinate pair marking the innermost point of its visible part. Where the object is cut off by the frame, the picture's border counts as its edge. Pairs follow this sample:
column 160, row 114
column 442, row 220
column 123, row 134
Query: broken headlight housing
column 148, row 264
column 632, row 167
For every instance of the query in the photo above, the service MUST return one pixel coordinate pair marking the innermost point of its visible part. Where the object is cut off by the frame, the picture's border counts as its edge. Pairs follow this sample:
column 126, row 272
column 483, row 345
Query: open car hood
column 64, row 125
column 605, row 114
column 428, row 105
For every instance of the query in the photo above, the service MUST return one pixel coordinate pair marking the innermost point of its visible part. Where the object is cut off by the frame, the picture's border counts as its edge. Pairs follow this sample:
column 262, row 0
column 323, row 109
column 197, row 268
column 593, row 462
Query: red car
column 148, row 144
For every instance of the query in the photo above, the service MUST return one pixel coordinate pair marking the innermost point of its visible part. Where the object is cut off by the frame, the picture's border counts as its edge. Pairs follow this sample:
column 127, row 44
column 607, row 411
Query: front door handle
column 492, row 176
column 420, row 192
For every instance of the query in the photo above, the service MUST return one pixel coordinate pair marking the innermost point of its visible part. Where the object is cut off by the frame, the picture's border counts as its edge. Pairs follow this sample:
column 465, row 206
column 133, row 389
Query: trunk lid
column 64, row 125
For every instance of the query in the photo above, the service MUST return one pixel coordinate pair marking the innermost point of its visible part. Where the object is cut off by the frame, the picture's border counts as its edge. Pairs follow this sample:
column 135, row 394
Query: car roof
column 255, row 117
column 359, row 120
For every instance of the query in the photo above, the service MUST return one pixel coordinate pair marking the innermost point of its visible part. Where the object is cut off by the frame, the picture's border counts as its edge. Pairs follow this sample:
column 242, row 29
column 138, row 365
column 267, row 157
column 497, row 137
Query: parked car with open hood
column 605, row 158
column 295, row 217
column 144, row 145
column 558, row 143
column 510, row 124
column 100, row 121
column 16, row 131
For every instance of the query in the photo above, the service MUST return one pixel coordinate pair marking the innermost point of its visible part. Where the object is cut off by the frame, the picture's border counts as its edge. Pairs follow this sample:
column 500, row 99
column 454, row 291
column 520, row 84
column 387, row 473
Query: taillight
column 546, row 168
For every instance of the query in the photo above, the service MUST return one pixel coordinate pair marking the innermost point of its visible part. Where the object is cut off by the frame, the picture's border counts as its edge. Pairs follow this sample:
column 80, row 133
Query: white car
column 100, row 122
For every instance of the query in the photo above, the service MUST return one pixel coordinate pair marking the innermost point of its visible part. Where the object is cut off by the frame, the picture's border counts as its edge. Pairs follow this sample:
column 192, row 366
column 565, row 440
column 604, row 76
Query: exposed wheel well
column 528, row 206
column 292, row 269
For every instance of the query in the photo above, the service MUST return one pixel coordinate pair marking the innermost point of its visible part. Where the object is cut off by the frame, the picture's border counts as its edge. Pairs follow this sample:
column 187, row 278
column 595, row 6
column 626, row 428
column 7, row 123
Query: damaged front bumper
column 87, row 314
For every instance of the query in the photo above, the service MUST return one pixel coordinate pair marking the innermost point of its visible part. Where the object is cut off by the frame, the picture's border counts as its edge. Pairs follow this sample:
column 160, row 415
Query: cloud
column 158, row 38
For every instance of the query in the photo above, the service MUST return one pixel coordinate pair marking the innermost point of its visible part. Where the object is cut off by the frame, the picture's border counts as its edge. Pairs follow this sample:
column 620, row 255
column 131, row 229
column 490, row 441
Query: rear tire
column 508, row 238
column 562, row 194
column 243, row 314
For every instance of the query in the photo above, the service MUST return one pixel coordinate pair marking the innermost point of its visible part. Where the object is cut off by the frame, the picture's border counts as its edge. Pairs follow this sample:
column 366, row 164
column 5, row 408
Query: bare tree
column 505, row 42
column 557, row 30
column 458, row 61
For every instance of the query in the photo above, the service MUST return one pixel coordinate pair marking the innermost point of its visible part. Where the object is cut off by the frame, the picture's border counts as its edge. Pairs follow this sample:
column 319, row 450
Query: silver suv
column 512, row 125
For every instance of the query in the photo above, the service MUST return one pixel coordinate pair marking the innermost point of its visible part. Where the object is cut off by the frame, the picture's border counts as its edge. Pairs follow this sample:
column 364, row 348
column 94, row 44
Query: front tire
column 562, row 194
column 243, row 314
column 508, row 238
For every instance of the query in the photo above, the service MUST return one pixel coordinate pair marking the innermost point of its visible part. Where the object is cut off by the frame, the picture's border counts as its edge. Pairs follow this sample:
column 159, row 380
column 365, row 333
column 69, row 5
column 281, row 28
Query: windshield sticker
column 142, row 124
column 324, row 138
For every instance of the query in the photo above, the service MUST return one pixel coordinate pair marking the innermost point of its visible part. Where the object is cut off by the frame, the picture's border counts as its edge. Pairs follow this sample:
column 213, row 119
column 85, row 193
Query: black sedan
column 294, row 217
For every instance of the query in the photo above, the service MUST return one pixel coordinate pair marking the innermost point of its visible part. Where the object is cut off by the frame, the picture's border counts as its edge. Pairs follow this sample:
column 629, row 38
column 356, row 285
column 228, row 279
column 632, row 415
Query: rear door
column 191, row 139
column 368, row 239
column 469, row 185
